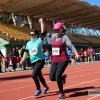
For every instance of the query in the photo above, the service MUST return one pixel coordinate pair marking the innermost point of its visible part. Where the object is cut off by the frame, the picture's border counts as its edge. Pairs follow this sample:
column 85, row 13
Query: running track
column 81, row 78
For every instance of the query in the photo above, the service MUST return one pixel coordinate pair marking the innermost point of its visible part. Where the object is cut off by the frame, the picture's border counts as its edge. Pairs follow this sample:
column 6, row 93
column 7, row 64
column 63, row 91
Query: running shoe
column 37, row 93
column 45, row 90
column 64, row 78
column 61, row 96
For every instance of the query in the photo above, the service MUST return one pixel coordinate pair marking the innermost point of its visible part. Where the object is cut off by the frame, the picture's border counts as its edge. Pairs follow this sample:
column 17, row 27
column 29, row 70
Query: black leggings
column 37, row 74
column 56, row 72
column 14, row 66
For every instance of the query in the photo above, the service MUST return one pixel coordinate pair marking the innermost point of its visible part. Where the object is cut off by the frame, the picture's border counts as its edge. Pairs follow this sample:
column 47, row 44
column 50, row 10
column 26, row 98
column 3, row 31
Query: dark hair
column 64, row 30
column 35, row 31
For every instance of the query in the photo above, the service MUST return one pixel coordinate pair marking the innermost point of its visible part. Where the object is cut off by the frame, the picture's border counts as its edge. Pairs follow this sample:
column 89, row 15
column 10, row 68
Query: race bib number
column 56, row 51
column 33, row 51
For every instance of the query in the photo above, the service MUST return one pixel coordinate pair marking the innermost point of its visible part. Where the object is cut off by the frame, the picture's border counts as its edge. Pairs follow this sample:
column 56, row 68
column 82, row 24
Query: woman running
column 59, row 56
column 34, row 46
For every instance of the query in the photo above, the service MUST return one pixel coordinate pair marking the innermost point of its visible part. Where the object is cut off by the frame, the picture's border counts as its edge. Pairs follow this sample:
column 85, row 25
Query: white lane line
column 83, row 70
column 47, row 82
column 83, row 75
column 65, row 87
column 17, row 88
column 77, row 65
column 47, row 76
column 93, row 97
column 15, row 81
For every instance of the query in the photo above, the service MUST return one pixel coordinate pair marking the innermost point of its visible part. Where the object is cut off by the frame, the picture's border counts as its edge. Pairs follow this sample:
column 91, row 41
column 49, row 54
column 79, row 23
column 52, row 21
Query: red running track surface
column 81, row 78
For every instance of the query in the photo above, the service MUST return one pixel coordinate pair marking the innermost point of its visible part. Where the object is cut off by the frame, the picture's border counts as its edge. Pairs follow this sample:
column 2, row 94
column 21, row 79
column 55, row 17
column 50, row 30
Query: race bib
column 33, row 51
column 55, row 51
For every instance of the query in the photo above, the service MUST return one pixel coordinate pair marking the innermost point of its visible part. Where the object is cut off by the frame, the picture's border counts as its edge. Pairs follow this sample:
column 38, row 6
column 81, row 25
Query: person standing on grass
column 34, row 46
column 59, row 59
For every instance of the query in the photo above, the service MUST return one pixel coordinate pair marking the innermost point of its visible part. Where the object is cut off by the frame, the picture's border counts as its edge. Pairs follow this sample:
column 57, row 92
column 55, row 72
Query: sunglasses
column 32, row 34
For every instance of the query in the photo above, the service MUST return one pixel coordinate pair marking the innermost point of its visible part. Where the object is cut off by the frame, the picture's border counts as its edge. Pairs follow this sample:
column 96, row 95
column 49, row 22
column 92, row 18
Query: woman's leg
column 37, row 74
column 59, row 72
column 53, row 69
column 40, row 76
column 85, row 58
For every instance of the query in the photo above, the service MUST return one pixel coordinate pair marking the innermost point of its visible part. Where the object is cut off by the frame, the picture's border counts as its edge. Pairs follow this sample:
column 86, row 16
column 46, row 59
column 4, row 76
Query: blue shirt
column 46, row 56
column 35, row 50
column 69, row 52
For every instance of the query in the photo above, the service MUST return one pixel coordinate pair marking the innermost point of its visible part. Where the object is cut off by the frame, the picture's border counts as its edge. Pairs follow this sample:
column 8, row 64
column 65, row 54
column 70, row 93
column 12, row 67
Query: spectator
column 7, row 63
column 91, row 54
column 85, row 56
column 1, row 56
column 47, row 57
column 94, row 55
column 13, row 52
column 88, row 54
column 13, row 56
column 24, row 62
column 69, row 53
column 81, row 52
column 14, row 62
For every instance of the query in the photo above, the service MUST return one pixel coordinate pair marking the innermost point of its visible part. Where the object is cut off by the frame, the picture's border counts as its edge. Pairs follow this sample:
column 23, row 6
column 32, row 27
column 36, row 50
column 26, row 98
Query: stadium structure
column 17, row 17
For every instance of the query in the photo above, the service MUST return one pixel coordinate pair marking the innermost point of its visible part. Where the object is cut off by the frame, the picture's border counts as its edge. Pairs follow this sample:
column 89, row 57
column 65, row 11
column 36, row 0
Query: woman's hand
column 40, row 20
column 77, row 56
column 21, row 62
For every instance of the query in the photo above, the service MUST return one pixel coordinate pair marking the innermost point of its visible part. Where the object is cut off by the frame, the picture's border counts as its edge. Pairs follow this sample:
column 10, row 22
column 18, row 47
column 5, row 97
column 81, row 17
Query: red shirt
column 88, row 51
column 57, row 45
column 0, row 57
column 14, row 60
column 7, row 59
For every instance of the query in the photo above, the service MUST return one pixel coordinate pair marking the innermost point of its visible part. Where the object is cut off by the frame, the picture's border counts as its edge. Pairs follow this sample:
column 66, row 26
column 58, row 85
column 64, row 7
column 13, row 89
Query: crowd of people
column 13, row 59
column 86, row 55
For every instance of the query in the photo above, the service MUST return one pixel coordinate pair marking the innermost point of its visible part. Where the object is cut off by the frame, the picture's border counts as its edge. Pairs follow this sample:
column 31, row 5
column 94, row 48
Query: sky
column 93, row 2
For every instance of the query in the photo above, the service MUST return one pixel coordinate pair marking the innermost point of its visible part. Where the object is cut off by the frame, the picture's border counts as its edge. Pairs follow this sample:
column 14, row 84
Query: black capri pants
column 37, row 74
column 56, row 71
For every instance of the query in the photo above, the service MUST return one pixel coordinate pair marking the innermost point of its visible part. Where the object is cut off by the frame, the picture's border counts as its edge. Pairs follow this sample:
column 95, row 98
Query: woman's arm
column 43, row 28
column 67, row 41
column 24, row 56
column 44, row 32
column 41, row 21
